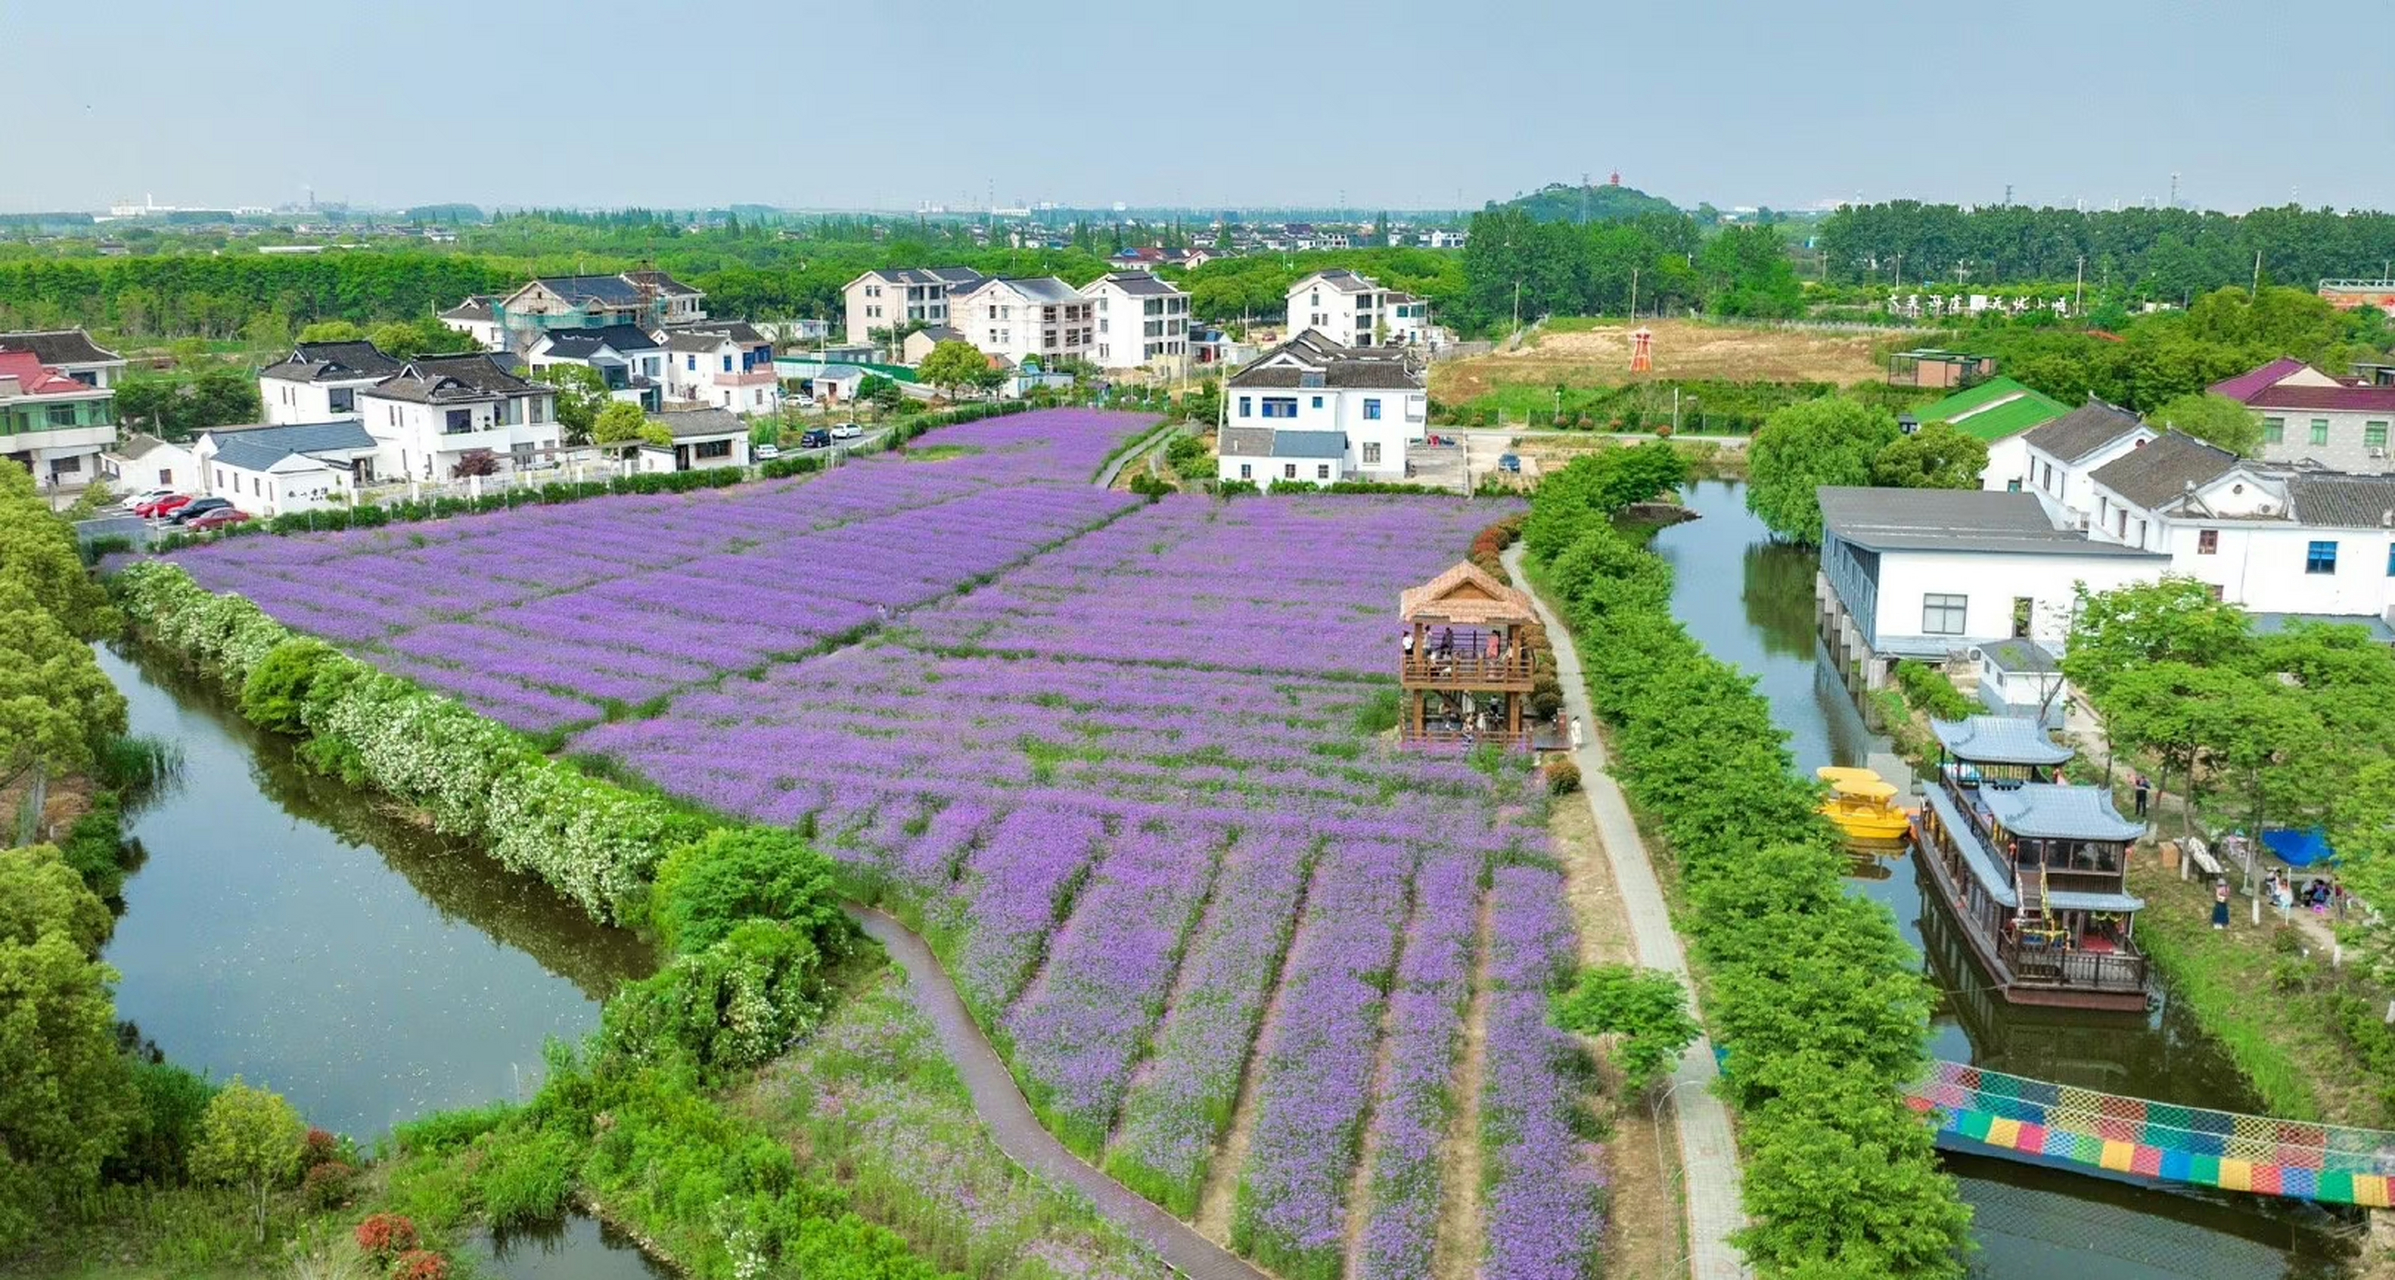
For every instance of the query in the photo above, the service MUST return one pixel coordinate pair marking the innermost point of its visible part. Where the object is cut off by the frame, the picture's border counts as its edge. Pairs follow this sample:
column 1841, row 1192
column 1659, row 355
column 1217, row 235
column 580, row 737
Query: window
column 1944, row 615
column 2012, row 486
column 1280, row 406
column 459, row 420
column 2320, row 557
column 2207, row 542
column 2274, row 430
column 727, row 364
column 1322, row 471
column 2390, row 550
column 342, row 399
column 1372, row 411
column 690, row 364
column 711, row 449
column 1247, row 471
column 61, row 415
column 2374, row 435
column 1318, row 402
column 1288, row 471
column 1372, row 455
column 2320, row 431
column 2049, row 486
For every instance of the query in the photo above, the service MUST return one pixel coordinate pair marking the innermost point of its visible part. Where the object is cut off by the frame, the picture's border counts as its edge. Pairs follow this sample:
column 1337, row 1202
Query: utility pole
column 2079, row 290
column 1517, row 305
column 1898, row 287
column 2256, row 291
column 1633, row 294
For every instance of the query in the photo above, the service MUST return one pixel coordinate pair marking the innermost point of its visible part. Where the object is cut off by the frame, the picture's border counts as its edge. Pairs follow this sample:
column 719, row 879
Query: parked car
column 182, row 516
column 766, row 452
column 161, row 508
column 217, row 519
column 815, row 438
column 848, row 431
column 140, row 498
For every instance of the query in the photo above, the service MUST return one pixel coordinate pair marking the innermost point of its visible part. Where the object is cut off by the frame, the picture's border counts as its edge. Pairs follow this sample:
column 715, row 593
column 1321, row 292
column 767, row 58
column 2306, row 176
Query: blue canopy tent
column 2298, row 848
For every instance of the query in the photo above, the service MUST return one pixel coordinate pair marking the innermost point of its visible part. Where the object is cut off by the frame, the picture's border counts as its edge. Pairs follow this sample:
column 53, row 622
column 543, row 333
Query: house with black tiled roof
column 1373, row 401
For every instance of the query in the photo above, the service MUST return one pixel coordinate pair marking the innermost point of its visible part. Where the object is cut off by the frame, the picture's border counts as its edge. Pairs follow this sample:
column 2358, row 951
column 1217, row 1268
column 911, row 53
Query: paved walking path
column 1019, row 1133
column 1708, row 1150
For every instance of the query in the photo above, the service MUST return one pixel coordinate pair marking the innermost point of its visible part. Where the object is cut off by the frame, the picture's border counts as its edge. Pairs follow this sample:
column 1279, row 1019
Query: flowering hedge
column 1819, row 1003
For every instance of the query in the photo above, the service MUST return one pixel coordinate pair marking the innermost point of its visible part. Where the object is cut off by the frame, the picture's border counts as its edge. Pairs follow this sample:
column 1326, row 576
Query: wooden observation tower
column 1466, row 668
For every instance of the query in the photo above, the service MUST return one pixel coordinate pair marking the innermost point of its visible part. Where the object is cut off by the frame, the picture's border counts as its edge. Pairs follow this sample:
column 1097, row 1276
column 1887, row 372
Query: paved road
column 1018, row 1131
column 1708, row 1150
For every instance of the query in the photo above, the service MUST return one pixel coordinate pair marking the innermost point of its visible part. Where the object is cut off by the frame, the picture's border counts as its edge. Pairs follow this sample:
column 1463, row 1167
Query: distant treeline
column 2170, row 255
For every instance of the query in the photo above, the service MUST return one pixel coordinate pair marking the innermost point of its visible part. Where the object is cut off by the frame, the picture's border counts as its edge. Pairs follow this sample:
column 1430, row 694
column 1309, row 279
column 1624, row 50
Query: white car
column 766, row 452
column 143, row 498
column 847, row 431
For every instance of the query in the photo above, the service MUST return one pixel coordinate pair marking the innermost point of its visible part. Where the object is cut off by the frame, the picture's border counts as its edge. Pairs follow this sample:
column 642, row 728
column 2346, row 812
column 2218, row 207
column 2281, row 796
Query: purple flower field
column 1119, row 782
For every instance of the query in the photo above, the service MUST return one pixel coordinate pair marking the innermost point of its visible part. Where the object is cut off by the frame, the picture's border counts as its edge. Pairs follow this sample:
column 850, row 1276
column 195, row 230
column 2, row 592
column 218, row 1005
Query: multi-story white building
column 2341, row 423
column 320, row 381
column 71, row 352
column 1038, row 318
column 1354, row 310
column 721, row 367
column 437, row 412
column 1375, row 400
column 2060, row 456
column 53, row 425
column 650, row 299
column 1142, row 321
column 892, row 299
column 629, row 359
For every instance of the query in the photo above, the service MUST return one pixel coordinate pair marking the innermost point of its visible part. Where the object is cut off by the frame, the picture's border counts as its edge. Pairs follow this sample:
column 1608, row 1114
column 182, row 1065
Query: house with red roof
column 52, row 423
column 2310, row 416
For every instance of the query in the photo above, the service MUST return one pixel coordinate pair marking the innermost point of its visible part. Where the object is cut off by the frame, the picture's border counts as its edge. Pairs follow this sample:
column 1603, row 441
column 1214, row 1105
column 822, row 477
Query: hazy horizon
column 610, row 105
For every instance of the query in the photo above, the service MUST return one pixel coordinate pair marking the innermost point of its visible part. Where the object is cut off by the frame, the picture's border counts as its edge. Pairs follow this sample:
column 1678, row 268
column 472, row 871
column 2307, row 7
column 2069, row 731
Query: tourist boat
column 2034, row 871
column 1862, row 804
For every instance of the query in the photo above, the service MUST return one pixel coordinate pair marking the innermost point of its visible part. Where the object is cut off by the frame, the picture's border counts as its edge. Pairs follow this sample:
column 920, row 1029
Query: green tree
column 2171, row 620
column 621, row 422
column 706, row 889
column 951, row 365
column 68, row 1098
column 1830, row 441
column 879, row 391
column 1938, row 456
column 250, row 1139
column 332, row 331
column 1648, row 1008
column 56, row 706
column 581, row 397
column 2215, row 418
column 37, row 554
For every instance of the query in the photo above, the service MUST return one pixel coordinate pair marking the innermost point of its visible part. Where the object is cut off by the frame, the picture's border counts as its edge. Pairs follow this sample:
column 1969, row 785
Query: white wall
column 165, row 466
column 2008, row 462
column 289, row 402
column 2264, row 569
column 415, row 443
column 2064, row 487
column 1991, row 582
column 1401, row 420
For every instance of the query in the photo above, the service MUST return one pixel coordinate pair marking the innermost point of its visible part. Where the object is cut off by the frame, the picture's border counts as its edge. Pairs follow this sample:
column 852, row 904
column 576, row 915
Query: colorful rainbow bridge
column 2107, row 1135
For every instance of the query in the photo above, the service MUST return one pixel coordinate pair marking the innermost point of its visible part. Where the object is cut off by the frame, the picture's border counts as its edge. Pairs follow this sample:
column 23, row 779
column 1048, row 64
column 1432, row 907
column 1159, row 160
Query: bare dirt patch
column 1684, row 350
column 1644, row 1234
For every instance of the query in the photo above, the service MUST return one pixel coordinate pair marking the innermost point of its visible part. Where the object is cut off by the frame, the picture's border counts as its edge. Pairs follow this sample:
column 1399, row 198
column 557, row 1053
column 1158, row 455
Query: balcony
column 762, row 376
column 2035, row 965
column 1466, row 671
column 99, row 435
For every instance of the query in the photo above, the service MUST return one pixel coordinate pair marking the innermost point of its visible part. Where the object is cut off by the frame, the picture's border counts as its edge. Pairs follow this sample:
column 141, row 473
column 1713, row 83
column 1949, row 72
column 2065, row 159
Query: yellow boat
column 1862, row 804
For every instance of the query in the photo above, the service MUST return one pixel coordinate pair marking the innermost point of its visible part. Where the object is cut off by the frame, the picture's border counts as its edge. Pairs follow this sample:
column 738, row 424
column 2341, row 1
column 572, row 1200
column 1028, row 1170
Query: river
column 1749, row 601
column 283, row 928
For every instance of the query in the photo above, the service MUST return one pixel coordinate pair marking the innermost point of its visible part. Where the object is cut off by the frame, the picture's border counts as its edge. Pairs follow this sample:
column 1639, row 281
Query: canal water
column 1749, row 601
column 284, row 928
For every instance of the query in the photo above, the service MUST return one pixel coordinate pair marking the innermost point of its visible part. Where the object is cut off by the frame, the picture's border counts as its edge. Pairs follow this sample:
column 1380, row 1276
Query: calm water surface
column 574, row 1248
column 1750, row 602
column 286, row 929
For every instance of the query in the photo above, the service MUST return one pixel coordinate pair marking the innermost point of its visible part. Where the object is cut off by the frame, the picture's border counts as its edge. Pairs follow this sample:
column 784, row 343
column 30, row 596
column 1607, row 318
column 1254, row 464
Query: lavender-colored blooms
column 1545, row 1202
column 1114, row 780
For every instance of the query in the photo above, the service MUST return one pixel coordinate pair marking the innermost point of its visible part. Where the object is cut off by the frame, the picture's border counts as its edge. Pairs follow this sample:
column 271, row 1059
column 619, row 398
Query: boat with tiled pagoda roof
column 2035, row 870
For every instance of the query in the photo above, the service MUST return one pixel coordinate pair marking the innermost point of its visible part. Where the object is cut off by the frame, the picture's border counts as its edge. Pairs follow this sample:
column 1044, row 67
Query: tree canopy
column 2218, row 419
column 1832, row 441
column 1938, row 456
column 953, row 364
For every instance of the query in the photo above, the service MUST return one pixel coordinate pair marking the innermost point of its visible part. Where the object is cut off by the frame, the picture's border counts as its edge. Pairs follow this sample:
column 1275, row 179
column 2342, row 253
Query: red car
column 162, row 507
column 217, row 519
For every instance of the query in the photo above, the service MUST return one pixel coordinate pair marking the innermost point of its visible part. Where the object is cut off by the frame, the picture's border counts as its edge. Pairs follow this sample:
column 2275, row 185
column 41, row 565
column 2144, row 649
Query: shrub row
column 1927, row 688
column 375, row 515
column 1814, row 994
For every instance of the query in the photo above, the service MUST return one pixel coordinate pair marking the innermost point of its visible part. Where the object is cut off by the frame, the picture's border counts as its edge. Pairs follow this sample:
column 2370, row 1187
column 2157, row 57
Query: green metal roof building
column 1997, row 409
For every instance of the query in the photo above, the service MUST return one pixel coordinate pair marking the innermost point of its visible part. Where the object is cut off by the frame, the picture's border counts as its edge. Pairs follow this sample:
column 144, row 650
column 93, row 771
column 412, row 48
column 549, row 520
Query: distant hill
column 1557, row 202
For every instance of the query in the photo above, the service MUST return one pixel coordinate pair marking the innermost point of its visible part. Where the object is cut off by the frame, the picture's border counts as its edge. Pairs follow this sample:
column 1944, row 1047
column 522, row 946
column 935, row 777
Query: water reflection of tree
column 1779, row 597
column 461, row 883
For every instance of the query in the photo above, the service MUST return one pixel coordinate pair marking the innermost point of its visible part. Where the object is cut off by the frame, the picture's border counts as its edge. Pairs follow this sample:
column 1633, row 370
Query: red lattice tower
column 1642, row 350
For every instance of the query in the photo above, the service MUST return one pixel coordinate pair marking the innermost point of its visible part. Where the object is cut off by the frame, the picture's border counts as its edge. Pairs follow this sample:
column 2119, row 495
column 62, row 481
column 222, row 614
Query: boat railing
column 2048, row 965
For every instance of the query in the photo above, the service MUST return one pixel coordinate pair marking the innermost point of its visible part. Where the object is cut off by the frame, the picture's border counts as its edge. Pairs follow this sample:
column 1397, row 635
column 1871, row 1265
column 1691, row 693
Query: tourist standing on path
column 1578, row 740
column 2220, row 905
column 2143, row 787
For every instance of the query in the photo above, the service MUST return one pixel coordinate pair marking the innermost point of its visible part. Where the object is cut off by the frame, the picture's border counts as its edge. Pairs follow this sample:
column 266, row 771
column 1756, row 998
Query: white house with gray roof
column 721, row 366
column 439, row 411
column 475, row 319
column 702, row 438
column 893, row 298
column 1376, row 400
column 320, row 381
column 629, row 359
column 1934, row 573
column 1143, row 323
column 1035, row 318
column 1357, row 311
column 269, row 470
column 2061, row 455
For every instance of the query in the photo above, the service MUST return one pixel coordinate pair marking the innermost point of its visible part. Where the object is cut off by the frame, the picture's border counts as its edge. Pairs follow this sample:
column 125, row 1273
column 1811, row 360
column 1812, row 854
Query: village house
column 1262, row 455
column 2307, row 415
column 69, row 351
column 1375, row 400
column 626, row 357
column 1039, row 319
column 475, row 319
column 649, row 299
column 320, row 381
column 1932, row 573
column 1143, row 322
column 269, row 470
column 891, row 299
column 146, row 462
column 438, row 416
column 2001, row 413
column 726, row 366
column 703, row 438
column 919, row 344
column 2059, row 456
column 1355, row 310
column 52, row 424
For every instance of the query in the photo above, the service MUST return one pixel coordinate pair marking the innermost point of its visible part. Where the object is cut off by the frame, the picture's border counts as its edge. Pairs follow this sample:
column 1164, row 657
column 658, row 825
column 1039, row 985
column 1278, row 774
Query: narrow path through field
column 1708, row 1148
column 1018, row 1131
column 1461, row 1233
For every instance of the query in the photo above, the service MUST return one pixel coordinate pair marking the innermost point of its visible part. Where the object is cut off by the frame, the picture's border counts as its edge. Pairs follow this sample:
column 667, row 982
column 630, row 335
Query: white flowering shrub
column 595, row 842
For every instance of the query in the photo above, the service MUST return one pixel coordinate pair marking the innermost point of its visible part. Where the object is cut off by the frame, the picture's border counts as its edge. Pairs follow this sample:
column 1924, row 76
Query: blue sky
column 1390, row 103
